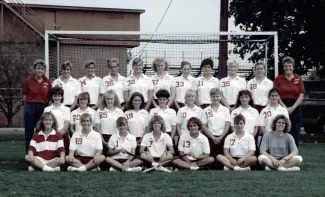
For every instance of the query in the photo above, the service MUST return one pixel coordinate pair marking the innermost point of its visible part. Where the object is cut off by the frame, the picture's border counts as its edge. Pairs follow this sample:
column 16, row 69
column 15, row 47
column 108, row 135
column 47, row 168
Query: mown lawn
column 16, row 181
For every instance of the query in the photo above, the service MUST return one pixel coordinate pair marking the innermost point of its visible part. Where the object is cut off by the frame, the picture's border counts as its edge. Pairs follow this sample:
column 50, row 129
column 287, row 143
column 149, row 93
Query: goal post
column 78, row 46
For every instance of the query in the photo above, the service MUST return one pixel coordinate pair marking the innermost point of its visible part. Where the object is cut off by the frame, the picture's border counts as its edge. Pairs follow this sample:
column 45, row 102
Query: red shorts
column 84, row 160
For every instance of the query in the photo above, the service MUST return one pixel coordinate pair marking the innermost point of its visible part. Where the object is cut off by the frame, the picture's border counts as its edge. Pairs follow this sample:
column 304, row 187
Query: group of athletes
column 162, row 122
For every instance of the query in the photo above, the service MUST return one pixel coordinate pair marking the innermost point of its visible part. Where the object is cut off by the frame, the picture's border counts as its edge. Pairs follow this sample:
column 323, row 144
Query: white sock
column 82, row 168
column 57, row 168
column 47, row 168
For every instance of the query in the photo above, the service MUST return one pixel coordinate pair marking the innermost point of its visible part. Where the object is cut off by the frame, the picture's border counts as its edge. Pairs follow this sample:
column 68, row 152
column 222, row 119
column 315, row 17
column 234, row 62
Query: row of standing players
column 261, row 85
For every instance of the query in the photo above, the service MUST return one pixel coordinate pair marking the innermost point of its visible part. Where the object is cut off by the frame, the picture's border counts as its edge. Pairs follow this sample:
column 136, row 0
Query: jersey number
column 184, row 114
column 83, row 83
column 225, row 83
column 267, row 114
column 232, row 141
column 76, row 117
column 200, row 83
column 78, row 140
column 131, row 82
column 109, row 83
column 209, row 114
column 179, row 83
column 116, row 143
column 253, row 86
column 150, row 143
column 102, row 115
column 129, row 116
column 186, row 144
column 155, row 82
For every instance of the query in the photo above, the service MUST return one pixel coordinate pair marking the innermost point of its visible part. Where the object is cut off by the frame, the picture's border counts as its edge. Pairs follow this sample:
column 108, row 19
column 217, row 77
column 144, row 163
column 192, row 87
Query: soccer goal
column 79, row 46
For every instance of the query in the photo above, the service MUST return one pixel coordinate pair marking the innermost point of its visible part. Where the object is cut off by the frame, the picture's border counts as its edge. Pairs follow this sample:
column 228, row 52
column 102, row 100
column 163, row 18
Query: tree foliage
column 298, row 23
column 15, row 61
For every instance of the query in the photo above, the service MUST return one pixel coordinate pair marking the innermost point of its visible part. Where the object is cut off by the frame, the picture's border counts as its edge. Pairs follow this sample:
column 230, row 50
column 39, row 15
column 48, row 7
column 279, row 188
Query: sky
column 182, row 16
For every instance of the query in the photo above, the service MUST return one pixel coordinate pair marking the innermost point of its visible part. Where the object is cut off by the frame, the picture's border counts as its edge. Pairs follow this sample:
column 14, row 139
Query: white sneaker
column 95, row 169
column 57, row 169
column 135, row 169
column 162, row 168
column 194, row 168
column 31, row 169
column 267, row 168
column 282, row 169
column 225, row 168
column 237, row 168
column 293, row 169
column 71, row 168
column 155, row 164
column 112, row 169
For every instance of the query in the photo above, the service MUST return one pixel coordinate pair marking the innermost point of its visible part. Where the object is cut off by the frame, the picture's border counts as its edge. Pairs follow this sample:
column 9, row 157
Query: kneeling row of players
column 46, row 152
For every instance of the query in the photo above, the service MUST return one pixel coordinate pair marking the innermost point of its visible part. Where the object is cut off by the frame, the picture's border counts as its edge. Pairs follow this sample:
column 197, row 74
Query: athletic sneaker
column 31, row 169
column 155, row 164
column 293, row 169
column 282, row 169
column 162, row 168
column 57, row 169
column 95, row 169
column 135, row 169
column 112, row 169
column 225, row 168
column 267, row 168
column 194, row 168
column 71, row 168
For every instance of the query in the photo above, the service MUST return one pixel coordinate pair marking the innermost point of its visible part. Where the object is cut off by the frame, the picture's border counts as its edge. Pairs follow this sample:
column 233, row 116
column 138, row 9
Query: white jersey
column 169, row 116
column 156, row 148
column 141, row 85
column 75, row 117
column 203, row 88
column 61, row 113
column 239, row 147
column 107, row 120
column 109, row 83
column 251, row 118
column 182, row 86
column 230, row 88
column 185, row 113
column 268, row 114
column 86, row 146
column 116, row 142
column 92, row 86
column 198, row 146
column 137, row 121
column 260, row 91
column 216, row 120
column 166, row 83
column 71, row 89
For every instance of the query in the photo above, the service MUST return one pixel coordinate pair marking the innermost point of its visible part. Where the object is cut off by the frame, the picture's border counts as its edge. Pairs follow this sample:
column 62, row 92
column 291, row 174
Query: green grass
column 16, row 181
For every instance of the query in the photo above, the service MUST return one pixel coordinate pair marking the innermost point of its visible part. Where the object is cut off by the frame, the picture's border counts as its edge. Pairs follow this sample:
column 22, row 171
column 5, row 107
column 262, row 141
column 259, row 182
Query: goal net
column 80, row 46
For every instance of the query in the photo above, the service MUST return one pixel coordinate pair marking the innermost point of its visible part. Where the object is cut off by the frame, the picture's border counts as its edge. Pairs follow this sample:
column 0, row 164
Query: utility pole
column 223, row 45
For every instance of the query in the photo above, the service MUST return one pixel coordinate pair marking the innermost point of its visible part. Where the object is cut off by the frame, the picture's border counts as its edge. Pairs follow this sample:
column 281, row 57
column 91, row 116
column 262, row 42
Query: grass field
column 16, row 181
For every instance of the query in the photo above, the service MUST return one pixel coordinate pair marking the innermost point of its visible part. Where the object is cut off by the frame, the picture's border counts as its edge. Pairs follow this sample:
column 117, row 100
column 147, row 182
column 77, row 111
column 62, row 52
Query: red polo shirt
column 289, row 89
column 37, row 92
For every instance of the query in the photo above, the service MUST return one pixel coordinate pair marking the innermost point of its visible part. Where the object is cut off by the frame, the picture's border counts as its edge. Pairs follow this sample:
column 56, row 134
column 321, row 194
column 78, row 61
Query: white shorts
column 261, row 157
column 44, row 162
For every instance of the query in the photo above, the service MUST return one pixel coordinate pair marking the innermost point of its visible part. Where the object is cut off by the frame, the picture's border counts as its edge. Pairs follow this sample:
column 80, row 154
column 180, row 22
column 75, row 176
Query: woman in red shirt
column 36, row 93
column 292, row 91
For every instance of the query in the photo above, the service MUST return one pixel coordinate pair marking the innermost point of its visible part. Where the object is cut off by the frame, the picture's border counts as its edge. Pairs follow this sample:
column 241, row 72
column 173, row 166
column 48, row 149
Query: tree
column 298, row 23
column 15, row 61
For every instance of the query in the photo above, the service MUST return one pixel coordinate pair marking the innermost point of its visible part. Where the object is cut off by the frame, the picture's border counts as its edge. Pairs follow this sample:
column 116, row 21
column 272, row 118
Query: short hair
column 189, row 92
column 259, row 63
column 157, row 61
column 238, row 118
column 194, row 120
column 286, row 120
column 232, row 62
column 289, row 60
column 41, row 126
column 136, row 61
column 84, row 116
column 207, row 61
column 65, row 65
column 88, row 63
column 162, row 93
column 121, row 121
column 116, row 99
column 184, row 63
column 39, row 62
column 274, row 90
column 83, row 95
column 113, row 60
column 215, row 91
column 244, row 92
column 157, row 118
column 130, row 105
column 57, row 90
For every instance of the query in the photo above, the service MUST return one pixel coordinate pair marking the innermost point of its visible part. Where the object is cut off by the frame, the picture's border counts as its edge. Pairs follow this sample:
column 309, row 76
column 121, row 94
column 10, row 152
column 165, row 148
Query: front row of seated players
column 46, row 151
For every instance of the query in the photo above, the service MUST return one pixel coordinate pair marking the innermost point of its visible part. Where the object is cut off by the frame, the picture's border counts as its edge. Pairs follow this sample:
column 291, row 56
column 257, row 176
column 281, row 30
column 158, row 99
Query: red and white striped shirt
column 48, row 147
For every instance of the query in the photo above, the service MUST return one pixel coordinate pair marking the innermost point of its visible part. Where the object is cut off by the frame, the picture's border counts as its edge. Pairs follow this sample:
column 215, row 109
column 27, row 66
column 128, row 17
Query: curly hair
column 157, row 61
column 157, row 118
column 286, row 120
column 130, row 105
